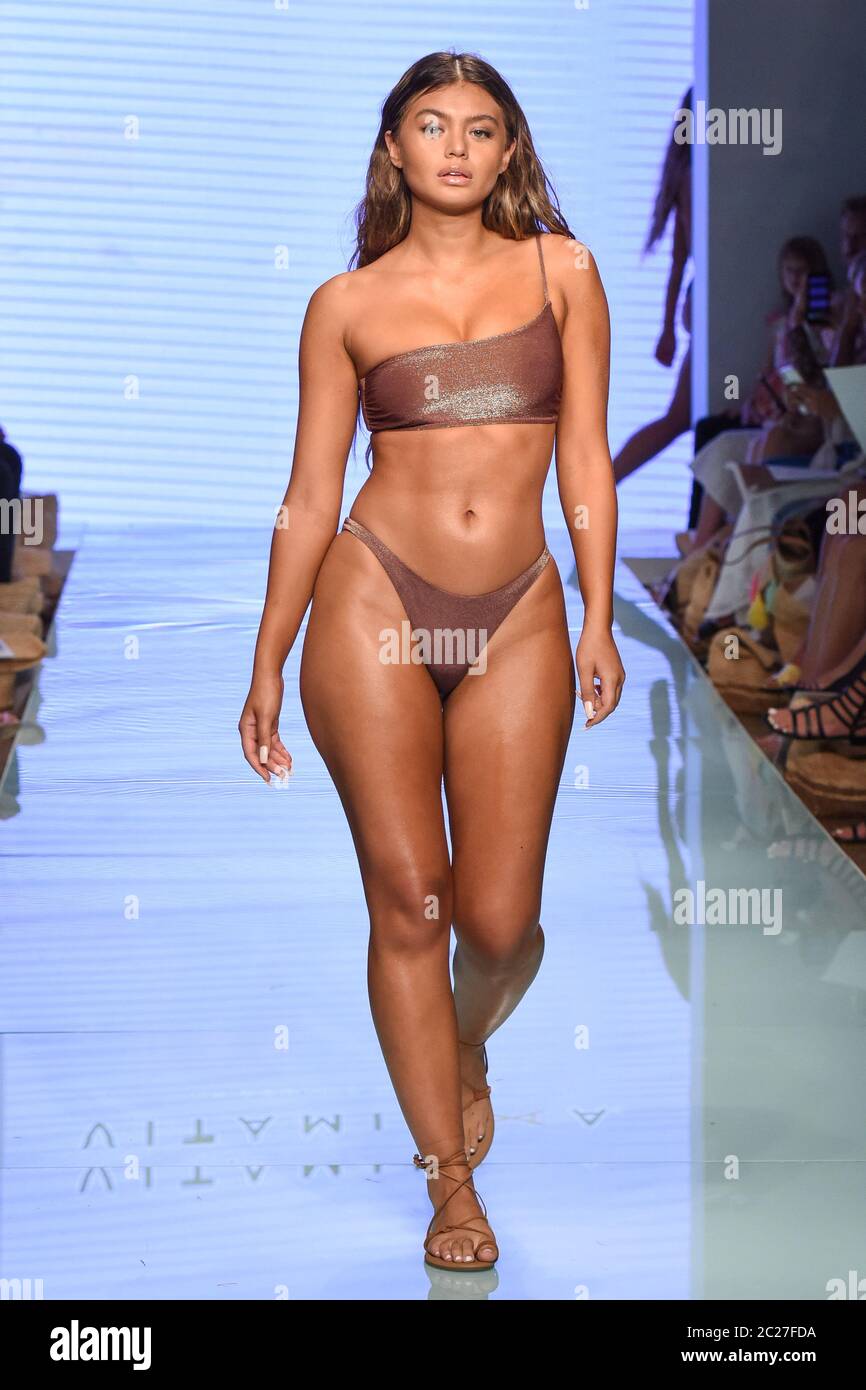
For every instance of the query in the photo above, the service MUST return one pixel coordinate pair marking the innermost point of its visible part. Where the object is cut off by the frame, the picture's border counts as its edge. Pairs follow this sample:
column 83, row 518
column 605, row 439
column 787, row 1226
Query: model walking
column 674, row 196
column 437, row 644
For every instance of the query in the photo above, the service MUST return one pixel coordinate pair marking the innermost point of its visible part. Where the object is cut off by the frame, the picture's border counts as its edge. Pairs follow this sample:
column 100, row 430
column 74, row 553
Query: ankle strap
column 458, row 1157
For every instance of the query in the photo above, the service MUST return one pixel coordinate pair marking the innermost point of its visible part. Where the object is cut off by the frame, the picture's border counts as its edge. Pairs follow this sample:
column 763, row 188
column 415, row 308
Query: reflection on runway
column 194, row 1101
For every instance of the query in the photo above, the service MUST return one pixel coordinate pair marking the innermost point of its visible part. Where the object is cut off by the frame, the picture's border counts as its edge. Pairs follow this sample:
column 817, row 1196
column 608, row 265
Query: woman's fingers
column 603, row 697
column 261, row 744
column 248, row 730
column 588, row 693
column 279, row 758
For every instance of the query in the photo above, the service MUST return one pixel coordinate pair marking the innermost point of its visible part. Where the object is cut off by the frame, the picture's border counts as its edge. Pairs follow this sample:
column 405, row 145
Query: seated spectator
column 793, row 342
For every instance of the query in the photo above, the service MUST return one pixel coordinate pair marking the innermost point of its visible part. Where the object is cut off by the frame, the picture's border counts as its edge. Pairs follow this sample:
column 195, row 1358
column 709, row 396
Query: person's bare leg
column 711, row 518
column 378, row 728
column 506, row 734
column 837, row 627
column 648, row 441
column 782, row 440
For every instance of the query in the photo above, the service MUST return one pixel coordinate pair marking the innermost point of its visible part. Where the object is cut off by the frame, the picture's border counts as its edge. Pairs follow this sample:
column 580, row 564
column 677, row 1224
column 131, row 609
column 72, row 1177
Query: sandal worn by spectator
column 848, row 709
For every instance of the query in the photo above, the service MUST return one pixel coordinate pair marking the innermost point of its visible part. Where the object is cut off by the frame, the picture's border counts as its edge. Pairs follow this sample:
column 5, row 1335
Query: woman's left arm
column 585, row 472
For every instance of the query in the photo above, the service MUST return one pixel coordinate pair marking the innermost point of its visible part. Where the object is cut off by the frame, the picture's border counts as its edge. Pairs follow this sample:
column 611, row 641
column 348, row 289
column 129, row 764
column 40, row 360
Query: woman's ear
column 393, row 150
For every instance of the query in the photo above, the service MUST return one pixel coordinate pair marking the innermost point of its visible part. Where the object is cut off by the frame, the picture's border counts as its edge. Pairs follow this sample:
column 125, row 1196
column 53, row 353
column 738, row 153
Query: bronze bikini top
column 512, row 376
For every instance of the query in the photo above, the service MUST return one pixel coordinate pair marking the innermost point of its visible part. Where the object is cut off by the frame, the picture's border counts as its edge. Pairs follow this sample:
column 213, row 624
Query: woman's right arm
column 308, row 516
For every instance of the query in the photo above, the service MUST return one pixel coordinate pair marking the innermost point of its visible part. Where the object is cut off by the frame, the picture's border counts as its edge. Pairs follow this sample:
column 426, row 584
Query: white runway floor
column 168, row 921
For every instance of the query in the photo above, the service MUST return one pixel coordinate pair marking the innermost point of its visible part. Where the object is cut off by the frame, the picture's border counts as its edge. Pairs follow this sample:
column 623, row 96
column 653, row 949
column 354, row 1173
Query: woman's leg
column 378, row 728
column 837, row 626
column 722, row 496
column 787, row 438
column 658, row 434
column 506, row 734
column 711, row 518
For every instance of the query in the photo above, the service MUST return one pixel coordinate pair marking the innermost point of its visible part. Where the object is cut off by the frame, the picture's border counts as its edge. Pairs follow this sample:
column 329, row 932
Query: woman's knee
column 410, row 907
column 499, row 933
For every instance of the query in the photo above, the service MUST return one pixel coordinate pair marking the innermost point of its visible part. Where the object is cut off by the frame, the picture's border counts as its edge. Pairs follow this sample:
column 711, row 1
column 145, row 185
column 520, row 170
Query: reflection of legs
column 837, row 629
column 506, row 733
column 378, row 728
column 658, row 434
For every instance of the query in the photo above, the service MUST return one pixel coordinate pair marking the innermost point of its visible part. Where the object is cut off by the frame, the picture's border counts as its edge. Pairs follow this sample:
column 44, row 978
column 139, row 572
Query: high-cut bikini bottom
column 455, row 627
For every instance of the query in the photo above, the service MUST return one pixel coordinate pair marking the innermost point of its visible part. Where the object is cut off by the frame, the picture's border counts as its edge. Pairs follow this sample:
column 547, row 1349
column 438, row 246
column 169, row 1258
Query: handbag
column 741, row 680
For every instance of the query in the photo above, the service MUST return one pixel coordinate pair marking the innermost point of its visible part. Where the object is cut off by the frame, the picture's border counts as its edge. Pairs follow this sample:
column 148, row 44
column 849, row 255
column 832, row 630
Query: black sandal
column 849, row 707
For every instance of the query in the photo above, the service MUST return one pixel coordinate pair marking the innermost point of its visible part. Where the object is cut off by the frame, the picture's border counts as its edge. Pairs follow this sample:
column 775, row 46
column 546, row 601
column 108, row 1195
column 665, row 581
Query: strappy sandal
column 849, row 707
column 486, row 1238
column 478, row 1154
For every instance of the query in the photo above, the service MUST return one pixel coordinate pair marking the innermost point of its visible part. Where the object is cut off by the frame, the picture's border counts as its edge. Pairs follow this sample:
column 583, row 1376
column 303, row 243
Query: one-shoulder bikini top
column 512, row 376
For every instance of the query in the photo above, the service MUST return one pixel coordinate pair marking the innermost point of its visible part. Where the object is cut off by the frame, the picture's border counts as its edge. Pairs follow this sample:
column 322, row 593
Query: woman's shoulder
column 563, row 255
column 341, row 297
column 563, row 252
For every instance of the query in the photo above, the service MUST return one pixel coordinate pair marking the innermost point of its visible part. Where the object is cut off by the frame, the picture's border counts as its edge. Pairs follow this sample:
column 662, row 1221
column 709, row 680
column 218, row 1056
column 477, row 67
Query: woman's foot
column 477, row 1109
column 851, row 834
column 812, row 719
column 455, row 1203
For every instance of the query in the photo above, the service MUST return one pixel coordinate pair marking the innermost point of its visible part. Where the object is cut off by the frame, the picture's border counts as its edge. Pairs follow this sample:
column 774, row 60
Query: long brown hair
column 521, row 203
column 810, row 250
column 675, row 168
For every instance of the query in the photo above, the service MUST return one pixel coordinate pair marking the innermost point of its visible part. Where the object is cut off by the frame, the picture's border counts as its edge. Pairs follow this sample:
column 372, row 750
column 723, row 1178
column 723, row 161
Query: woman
column 768, row 430
column 674, row 196
column 464, row 383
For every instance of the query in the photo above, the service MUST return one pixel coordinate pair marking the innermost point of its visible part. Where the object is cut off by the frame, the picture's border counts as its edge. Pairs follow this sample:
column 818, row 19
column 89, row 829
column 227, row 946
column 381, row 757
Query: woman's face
column 793, row 272
column 455, row 128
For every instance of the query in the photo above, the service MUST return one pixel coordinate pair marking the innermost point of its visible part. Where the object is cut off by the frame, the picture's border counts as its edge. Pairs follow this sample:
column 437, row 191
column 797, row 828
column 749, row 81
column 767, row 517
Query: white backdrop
column 155, row 155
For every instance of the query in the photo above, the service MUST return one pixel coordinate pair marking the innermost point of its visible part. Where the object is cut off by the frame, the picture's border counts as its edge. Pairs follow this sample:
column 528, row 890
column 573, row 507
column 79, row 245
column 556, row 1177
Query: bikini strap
column 541, row 263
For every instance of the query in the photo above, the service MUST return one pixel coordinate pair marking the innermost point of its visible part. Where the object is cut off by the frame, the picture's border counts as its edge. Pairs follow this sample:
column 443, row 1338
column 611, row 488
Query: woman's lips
column 455, row 178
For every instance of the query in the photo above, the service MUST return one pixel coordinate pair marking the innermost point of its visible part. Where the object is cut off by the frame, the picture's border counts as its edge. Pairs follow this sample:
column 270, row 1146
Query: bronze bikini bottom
column 451, row 629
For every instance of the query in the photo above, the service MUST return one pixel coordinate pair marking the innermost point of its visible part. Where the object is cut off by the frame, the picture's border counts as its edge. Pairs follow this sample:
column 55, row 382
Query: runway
column 194, row 1102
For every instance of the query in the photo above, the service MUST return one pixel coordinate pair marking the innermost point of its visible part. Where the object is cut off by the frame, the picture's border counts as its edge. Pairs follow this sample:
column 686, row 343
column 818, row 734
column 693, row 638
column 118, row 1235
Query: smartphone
column 818, row 299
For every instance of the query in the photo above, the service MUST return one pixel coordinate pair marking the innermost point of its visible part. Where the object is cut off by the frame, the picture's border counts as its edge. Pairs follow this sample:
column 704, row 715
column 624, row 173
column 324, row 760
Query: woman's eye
column 430, row 128
column 481, row 131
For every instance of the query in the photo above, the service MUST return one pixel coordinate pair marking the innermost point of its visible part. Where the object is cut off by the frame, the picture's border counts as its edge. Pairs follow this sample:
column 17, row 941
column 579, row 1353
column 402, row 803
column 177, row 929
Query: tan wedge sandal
column 484, row 1238
column 482, row 1149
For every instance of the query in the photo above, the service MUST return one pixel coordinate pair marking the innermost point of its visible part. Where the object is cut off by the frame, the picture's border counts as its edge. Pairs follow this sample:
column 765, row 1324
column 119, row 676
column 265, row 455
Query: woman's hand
column 817, row 400
column 797, row 311
column 598, row 665
column 259, row 727
column 666, row 346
